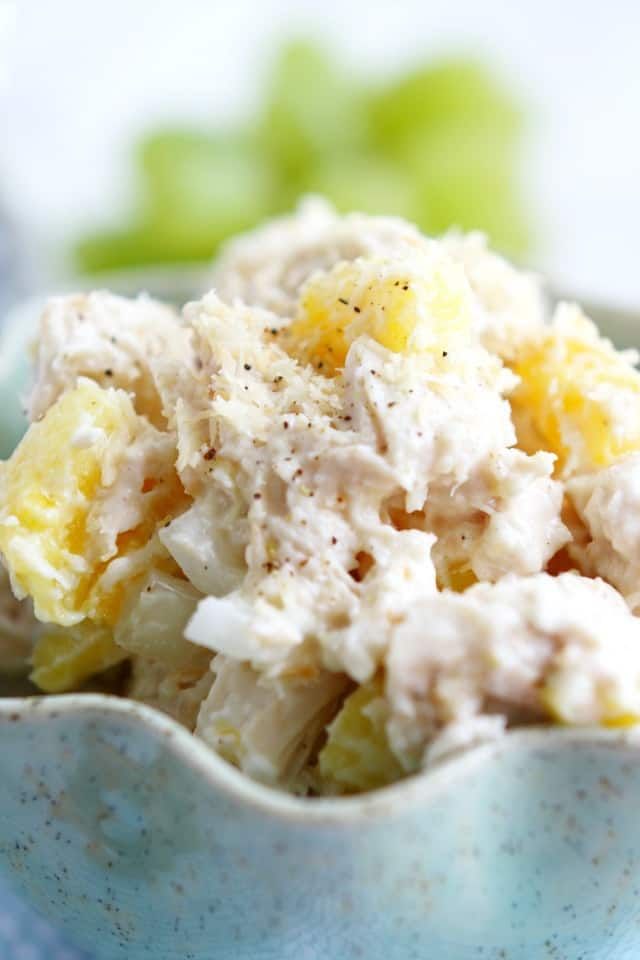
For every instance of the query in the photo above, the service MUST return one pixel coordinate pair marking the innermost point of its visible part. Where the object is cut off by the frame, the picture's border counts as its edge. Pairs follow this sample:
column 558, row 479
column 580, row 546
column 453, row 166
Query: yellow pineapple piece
column 559, row 695
column 407, row 307
column 357, row 755
column 457, row 577
column 578, row 396
column 53, row 546
column 64, row 658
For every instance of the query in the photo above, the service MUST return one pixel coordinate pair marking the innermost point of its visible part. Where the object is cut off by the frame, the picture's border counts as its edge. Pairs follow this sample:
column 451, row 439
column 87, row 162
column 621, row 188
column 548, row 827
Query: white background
column 79, row 78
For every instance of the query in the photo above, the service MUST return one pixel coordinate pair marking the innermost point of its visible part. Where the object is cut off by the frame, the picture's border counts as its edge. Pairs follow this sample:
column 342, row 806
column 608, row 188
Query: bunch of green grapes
column 439, row 146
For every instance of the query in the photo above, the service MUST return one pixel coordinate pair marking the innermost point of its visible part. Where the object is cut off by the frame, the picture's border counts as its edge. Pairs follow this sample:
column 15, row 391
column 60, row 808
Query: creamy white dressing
column 529, row 646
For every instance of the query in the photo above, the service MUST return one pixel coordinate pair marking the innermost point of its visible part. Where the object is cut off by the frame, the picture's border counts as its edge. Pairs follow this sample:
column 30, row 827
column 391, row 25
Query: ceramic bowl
column 127, row 832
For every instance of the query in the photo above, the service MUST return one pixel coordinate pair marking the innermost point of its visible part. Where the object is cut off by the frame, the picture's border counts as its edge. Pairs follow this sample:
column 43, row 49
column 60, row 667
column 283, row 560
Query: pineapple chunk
column 357, row 755
column 457, row 577
column 407, row 307
column 578, row 397
column 58, row 528
column 563, row 695
column 64, row 658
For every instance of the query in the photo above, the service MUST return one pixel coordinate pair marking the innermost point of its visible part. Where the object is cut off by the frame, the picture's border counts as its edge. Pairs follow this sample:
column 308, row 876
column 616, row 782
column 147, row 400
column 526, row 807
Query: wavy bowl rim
column 220, row 776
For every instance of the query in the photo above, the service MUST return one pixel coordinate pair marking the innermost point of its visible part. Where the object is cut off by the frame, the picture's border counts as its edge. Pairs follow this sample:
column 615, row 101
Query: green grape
column 452, row 92
column 313, row 110
column 366, row 183
column 467, row 178
column 215, row 181
column 202, row 190
column 120, row 248
column 437, row 146
column 197, row 190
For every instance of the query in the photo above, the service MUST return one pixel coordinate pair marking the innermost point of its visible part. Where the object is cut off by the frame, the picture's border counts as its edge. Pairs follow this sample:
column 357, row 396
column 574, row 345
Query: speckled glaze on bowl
column 130, row 834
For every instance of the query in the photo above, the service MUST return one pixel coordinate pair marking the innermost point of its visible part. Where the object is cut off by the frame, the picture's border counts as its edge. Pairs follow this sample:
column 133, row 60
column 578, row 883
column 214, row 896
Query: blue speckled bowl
column 126, row 831
column 140, row 842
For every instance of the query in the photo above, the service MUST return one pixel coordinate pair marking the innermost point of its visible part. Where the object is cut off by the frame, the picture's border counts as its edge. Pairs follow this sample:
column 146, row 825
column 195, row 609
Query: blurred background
column 136, row 136
column 145, row 133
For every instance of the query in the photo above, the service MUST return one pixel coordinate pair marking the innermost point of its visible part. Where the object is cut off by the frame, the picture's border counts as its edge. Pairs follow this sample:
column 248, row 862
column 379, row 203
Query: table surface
column 26, row 936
